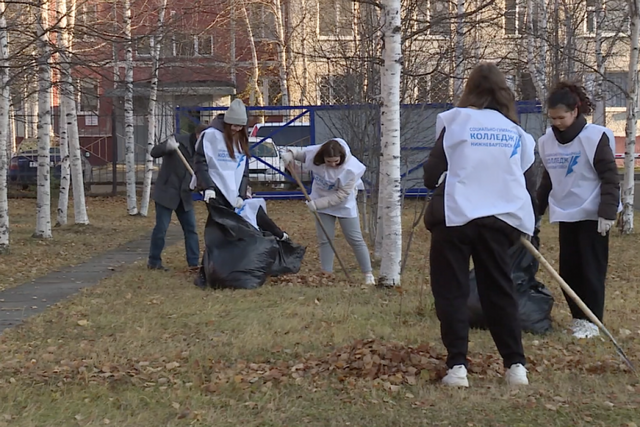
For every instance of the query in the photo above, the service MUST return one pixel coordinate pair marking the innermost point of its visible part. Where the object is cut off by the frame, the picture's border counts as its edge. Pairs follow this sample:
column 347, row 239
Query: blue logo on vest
column 573, row 161
column 516, row 146
column 241, row 159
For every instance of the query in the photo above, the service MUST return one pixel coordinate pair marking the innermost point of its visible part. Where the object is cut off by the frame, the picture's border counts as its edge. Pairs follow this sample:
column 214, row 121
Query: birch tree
column 458, row 77
column 156, row 44
column 43, row 205
column 628, row 185
column 129, row 143
column 65, row 166
column 282, row 52
column 79, row 203
column 537, row 46
column 599, row 116
column 255, row 94
column 4, row 128
column 391, row 186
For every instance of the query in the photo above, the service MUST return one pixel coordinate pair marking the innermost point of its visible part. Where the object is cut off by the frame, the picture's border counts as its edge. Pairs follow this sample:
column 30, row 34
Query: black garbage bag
column 288, row 259
column 535, row 302
column 237, row 256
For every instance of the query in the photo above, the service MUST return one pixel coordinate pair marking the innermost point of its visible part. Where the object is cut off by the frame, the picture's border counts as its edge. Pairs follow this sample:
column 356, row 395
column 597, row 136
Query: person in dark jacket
column 483, row 202
column 171, row 193
column 581, row 187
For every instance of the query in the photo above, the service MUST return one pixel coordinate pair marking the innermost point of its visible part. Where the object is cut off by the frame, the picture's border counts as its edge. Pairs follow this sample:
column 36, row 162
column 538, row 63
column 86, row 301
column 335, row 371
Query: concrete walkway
column 31, row 298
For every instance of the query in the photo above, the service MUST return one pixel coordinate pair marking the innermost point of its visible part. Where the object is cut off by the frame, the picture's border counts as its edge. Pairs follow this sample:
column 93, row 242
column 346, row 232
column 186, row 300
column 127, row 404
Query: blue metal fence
column 310, row 114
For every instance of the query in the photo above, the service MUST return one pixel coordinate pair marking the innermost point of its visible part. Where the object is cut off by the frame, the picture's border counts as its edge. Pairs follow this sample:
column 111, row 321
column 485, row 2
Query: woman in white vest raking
column 581, row 187
column 221, row 167
column 336, row 174
column 483, row 201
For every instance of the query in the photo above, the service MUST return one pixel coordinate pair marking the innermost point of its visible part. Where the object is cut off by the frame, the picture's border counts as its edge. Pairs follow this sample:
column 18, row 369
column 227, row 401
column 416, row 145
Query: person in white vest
column 483, row 201
column 336, row 175
column 581, row 187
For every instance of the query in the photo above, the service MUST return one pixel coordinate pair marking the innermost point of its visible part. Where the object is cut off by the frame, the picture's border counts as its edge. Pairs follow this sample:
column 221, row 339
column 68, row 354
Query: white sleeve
column 527, row 150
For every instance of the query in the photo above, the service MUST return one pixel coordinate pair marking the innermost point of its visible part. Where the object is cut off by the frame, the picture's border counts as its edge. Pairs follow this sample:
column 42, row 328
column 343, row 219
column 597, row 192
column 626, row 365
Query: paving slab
column 33, row 297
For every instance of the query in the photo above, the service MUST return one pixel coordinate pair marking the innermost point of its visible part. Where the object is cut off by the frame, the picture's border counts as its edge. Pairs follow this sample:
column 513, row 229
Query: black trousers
column 584, row 256
column 451, row 249
column 265, row 223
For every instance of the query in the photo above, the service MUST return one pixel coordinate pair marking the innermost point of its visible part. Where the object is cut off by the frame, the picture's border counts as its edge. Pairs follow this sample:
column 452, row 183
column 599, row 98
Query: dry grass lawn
column 149, row 349
column 109, row 227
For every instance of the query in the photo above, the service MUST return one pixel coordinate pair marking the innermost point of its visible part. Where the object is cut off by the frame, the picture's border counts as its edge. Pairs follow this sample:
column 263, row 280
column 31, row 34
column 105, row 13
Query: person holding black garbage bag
column 483, row 201
column 581, row 187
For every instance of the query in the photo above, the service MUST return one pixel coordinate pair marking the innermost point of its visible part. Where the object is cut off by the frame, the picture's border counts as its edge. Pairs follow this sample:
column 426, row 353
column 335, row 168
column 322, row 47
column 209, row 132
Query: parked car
column 294, row 134
column 23, row 167
column 269, row 153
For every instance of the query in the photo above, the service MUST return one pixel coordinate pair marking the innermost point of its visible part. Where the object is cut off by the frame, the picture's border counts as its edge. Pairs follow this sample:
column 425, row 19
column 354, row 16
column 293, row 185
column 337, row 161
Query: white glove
column 604, row 225
column 441, row 179
column 239, row 202
column 172, row 144
column 208, row 195
column 312, row 205
column 287, row 157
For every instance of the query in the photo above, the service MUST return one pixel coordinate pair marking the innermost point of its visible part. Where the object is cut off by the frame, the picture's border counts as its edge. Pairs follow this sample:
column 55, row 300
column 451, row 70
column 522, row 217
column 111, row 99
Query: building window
column 143, row 45
column 274, row 92
column 86, row 18
column 615, row 89
column 514, row 18
column 263, row 21
column 433, row 17
column 590, row 17
column 335, row 18
column 87, row 96
column 337, row 89
column 205, row 45
column 17, row 98
column 614, row 18
column 184, row 45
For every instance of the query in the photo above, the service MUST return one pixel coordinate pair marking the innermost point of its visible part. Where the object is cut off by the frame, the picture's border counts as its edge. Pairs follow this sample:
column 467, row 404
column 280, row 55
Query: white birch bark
column 632, row 120
column 43, row 204
column 77, row 181
column 282, row 53
column 156, row 43
column 390, row 192
column 599, row 116
column 255, row 92
column 63, row 194
column 537, row 47
column 232, row 47
column 129, row 143
column 458, row 76
column 4, row 129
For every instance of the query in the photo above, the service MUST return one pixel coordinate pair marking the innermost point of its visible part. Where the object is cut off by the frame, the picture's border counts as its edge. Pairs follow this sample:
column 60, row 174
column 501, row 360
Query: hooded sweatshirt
column 334, row 189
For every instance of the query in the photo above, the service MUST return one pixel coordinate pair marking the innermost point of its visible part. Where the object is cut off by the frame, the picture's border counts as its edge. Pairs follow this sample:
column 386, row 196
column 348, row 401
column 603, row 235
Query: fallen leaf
column 550, row 407
column 172, row 365
column 175, row 405
column 83, row 322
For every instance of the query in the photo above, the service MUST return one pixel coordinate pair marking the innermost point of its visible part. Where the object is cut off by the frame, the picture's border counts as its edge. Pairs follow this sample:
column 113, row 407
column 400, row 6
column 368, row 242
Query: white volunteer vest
column 249, row 210
column 225, row 172
column 575, row 191
column 327, row 180
column 487, row 156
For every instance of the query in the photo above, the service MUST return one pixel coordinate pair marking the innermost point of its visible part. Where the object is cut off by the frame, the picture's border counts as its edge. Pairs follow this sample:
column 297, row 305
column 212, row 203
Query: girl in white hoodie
column 336, row 173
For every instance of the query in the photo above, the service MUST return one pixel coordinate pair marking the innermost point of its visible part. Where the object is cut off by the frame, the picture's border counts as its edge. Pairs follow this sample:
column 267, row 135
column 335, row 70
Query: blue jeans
column 187, row 221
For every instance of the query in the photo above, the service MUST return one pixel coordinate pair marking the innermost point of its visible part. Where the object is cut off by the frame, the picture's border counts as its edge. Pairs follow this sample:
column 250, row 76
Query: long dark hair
column 331, row 148
column 239, row 140
column 487, row 87
column 571, row 96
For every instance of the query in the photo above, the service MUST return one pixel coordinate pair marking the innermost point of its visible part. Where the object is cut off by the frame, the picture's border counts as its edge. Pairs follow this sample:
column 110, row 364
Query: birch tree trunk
column 537, row 47
column 73, row 137
column 4, row 129
column 282, row 53
column 43, row 204
column 63, row 195
column 628, row 185
column 390, row 192
column 232, row 47
column 599, row 116
column 255, row 68
column 156, row 44
column 458, row 77
column 129, row 143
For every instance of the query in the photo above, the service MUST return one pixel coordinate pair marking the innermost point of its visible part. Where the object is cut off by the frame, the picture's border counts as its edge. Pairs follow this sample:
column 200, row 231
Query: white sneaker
column 369, row 279
column 516, row 375
column 582, row 328
column 456, row 377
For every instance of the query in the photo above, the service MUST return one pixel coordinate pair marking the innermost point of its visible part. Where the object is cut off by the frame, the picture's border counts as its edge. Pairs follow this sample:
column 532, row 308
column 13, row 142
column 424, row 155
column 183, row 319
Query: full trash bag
column 535, row 302
column 239, row 256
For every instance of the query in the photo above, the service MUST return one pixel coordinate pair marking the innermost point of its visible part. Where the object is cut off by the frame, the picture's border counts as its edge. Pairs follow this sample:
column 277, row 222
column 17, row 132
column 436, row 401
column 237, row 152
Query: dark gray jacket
column 172, row 184
column 202, row 170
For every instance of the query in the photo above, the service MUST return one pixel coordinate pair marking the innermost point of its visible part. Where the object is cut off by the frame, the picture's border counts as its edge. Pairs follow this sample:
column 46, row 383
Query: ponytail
column 571, row 96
